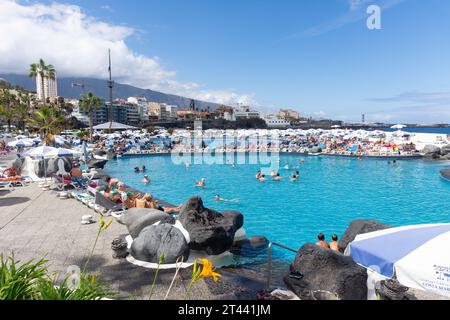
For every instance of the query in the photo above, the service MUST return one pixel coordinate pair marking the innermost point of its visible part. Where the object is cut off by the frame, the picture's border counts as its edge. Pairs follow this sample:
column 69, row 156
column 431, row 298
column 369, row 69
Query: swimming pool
column 331, row 192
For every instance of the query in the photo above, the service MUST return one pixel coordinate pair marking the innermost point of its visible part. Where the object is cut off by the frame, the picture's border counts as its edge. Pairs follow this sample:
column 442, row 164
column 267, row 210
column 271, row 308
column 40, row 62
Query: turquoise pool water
column 330, row 193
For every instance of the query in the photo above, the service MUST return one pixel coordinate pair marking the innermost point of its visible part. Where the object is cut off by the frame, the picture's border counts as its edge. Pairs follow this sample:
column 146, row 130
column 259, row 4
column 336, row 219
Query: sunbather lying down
column 11, row 172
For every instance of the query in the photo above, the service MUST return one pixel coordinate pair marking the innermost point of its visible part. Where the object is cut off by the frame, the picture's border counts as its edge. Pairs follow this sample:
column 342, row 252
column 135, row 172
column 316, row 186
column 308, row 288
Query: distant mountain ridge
column 99, row 88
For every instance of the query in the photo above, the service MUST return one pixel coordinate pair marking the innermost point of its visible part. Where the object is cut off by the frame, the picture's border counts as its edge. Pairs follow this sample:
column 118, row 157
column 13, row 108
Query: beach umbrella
column 416, row 255
column 398, row 126
column 20, row 143
column 46, row 152
column 400, row 133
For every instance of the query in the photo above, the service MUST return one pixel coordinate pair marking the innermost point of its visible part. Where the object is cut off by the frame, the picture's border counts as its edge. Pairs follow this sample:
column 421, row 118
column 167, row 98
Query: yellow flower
column 208, row 270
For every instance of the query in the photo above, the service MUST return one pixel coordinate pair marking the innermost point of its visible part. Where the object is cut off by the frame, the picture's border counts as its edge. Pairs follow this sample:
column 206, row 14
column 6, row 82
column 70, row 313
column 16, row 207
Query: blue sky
column 314, row 56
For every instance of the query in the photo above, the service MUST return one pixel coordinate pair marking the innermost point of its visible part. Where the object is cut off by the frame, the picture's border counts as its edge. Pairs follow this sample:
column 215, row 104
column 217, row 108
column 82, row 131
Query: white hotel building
column 50, row 89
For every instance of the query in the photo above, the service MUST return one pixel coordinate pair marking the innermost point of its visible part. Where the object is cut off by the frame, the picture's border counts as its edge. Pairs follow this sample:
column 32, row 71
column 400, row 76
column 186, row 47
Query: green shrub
column 18, row 282
column 31, row 281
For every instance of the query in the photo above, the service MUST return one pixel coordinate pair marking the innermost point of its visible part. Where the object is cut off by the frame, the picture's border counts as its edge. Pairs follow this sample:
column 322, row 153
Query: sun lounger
column 21, row 181
column 107, row 204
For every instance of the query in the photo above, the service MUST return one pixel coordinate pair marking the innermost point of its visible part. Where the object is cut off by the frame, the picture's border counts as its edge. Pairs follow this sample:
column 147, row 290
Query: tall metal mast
column 110, row 85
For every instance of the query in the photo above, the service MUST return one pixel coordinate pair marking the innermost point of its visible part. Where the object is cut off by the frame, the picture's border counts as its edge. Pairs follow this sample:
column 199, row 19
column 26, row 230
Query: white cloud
column 77, row 45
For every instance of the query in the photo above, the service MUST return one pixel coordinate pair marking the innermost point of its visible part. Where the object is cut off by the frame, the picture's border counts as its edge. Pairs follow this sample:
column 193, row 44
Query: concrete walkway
column 36, row 224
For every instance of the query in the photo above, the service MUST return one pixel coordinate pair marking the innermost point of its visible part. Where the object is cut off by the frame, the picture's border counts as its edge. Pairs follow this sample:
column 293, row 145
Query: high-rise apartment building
column 49, row 90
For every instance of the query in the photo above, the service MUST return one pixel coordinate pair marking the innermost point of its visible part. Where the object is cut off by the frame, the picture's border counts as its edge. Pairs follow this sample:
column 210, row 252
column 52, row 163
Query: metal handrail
column 269, row 259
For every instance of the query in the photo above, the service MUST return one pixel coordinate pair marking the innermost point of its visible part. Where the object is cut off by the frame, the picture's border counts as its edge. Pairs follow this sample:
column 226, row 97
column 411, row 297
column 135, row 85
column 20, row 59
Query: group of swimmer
column 137, row 169
column 275, row 175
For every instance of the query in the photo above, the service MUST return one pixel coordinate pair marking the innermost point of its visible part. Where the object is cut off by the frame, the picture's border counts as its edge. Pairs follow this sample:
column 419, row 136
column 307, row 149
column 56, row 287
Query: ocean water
column 330, row 193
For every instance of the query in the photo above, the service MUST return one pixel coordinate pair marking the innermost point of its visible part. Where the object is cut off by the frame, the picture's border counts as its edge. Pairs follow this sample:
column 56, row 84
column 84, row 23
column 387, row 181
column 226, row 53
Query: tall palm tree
column 90, row 103
column 47, row 120
column 44, row 71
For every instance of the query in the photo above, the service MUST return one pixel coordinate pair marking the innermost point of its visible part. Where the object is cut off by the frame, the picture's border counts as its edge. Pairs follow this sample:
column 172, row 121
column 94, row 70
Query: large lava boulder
column 160, row 239
column 357, row 227
column 326, row 270
column 315, row 150
column 431, row 151
column 445, row 173
column 445, row 150
column 97, row 163
column 209, row 230
column 136, row 219
column 51, row 166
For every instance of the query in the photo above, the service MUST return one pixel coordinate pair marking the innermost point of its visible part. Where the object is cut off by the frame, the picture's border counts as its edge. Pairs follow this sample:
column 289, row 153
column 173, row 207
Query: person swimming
column 262, row 178
column 143, row 169
column 273, row 173
column 258, row 174
column 201, row 183
column 295, row 176
column 277, row 177
column 219, row 198
column 146, row 179
column 393, row 163
column 136, row 169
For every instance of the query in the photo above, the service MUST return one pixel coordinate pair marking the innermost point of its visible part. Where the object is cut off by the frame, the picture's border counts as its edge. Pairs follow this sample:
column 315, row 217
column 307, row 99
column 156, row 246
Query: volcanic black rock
column 325, row 271
column 359, row 227
column 160, row 239
column 209, row 230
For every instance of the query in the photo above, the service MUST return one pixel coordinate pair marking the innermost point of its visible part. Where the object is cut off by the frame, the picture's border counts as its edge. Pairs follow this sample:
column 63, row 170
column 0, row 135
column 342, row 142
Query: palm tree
column 7, row 114
column 47, row 120
column 22, row 115
column 7, row 100
column 44, row 71
column 89, row 103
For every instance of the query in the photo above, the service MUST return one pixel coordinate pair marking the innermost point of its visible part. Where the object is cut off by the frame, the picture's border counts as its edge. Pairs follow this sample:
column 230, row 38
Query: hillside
column 99, row 88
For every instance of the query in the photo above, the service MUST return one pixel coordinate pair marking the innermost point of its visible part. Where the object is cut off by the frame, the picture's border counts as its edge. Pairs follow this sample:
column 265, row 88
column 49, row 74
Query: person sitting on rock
column 334, row 244
column 150, row 202
column 322, row 242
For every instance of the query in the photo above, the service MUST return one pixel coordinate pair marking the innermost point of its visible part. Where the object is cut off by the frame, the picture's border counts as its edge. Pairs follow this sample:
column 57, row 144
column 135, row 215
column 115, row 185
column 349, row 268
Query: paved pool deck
column 36, row 223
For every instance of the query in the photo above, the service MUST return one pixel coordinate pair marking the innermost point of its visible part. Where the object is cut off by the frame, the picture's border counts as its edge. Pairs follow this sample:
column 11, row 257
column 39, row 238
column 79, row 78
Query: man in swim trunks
column 334, row 244
column 146, row 179
column 322, row 242
column 258, row 174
